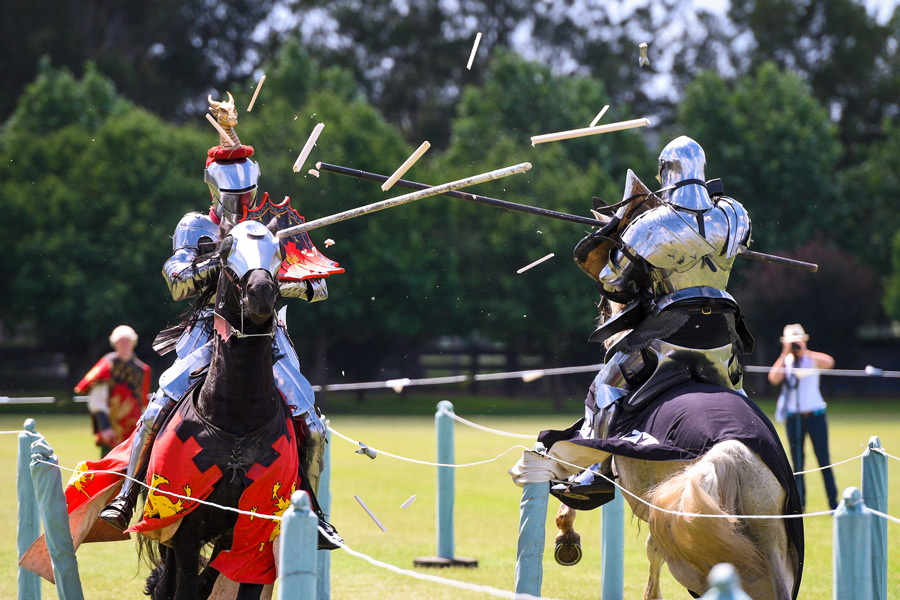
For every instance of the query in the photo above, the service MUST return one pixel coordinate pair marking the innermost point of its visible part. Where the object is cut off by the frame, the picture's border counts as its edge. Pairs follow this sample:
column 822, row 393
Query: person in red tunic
column 117, row 388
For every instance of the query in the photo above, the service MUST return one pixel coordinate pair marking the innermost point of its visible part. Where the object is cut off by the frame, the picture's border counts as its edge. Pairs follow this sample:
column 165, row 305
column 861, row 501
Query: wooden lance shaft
column 404, row 199
column 415, row 185
column 778, row 260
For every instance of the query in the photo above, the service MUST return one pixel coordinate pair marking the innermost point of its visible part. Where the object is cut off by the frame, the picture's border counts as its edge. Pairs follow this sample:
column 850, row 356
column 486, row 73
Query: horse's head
column 251, row 256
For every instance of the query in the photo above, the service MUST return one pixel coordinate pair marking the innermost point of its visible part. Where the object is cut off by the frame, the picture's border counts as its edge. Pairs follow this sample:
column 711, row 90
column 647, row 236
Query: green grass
column 486, row 514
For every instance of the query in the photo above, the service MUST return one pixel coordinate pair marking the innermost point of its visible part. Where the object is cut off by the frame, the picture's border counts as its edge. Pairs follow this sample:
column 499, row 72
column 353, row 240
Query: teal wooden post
column 530, row 547
column 445, row 479
column 297, row 555
column 323, row 558
column 724, row 584
column 875, row 495
column 443, row 424
column 612, row 544
column 29, row 524
column 49, row 492
column 852, row 548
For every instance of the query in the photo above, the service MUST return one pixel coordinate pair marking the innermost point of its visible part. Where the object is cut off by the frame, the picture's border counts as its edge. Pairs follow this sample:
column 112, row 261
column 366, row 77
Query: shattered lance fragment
column 370, row 513
column 329, row 242
column 397, row 384
column 225, row 137
column 406, row 504
column 308, row 147
column 474, row 50
column 409, row 162
column 643, row 61
column 600, row 115
column 363, row 449
column 574, row 133
column 535, row 263
column 256, row 93
column 313, row 172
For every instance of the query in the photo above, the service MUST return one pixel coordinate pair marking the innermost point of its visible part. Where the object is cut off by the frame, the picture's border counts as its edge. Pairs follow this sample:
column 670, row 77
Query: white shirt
column 800, row 389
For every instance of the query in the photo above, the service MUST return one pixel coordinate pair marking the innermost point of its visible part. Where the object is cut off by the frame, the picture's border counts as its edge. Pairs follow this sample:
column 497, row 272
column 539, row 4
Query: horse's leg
column 655, row 557
column 186, row 549
column 568, row 543
column 165, row 584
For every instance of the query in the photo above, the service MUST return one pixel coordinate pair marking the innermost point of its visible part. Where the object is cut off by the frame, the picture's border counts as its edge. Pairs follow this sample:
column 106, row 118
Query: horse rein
column 239, row 333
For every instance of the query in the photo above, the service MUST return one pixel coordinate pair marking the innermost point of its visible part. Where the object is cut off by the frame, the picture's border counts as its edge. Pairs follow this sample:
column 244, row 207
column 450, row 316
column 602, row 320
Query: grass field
column 486, row 515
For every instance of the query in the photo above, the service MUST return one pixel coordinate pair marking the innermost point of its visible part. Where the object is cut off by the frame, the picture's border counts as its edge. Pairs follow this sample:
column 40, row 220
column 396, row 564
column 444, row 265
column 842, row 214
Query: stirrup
column 118, row 512
column 328, row 542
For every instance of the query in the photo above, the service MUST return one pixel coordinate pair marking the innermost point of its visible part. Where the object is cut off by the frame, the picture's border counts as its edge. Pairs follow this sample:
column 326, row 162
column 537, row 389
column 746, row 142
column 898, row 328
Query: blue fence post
column 29, row 524
column 875, row 495
column 445, row 479
column 297, row 555
column 852, row 548
column 612, row 544
column 323, row 557
column 724, row 584
column 530, row 547
column 49, row 492
column 443, row 424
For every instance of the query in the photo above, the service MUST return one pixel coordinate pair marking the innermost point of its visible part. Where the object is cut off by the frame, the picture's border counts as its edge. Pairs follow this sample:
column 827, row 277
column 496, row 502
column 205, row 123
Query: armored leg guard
column 311, row 454
column 119, row 511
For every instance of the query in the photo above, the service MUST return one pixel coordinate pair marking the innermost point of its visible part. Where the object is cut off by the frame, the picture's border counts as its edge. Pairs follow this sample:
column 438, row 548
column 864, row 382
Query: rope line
column 883, row 516
column 432, row 578
column 425, row 462
column 456, row 417
column 889, row 455
column 167, row 493
column 829, row 466
column 17, row 431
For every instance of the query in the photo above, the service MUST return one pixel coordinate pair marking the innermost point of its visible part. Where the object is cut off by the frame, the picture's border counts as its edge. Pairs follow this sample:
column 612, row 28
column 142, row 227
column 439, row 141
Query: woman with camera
column 801, row 404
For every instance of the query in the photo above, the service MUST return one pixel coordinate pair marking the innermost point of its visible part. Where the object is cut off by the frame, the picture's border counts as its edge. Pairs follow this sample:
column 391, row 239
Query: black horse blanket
column 686, row 422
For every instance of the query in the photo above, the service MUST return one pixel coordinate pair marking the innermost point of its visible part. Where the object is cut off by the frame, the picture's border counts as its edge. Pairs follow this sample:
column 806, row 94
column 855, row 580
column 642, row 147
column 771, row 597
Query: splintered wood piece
column 535, row 263
column 370, row 513
column 256, row 93
column 308, row 147
column 225, row 136
column 575, row 133
column 405, row 166
column 600, row 115
column 474, row 50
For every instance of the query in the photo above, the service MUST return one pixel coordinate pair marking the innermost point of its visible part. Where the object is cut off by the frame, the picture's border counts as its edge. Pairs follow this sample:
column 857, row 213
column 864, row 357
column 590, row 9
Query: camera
column 796, row 346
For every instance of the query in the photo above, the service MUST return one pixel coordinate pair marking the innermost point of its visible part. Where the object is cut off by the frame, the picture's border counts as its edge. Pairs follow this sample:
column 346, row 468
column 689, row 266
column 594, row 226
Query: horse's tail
column 710, row 486
column 150, row 552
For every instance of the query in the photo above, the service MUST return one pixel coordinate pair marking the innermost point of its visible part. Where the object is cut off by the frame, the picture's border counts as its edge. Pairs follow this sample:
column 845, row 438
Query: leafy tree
column 161, row 54
column 775, row 149
column 848, row 59
column 90, row 204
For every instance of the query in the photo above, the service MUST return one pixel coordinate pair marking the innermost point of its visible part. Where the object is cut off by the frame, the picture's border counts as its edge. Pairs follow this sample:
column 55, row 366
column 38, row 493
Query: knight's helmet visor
column 682, row 166
column 233, row 184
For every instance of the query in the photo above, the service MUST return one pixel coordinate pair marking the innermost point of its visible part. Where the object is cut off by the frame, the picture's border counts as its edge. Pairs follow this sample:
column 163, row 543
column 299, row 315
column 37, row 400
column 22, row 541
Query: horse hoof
column 567, row 553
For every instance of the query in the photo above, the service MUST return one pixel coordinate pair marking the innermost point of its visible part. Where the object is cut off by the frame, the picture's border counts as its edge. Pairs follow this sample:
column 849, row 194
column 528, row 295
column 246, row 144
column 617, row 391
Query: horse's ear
column 225, row 247
column 273, row 226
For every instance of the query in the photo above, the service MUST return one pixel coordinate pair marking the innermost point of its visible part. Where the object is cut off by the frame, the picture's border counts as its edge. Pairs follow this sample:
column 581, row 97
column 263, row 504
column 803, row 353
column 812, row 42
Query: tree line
column 98, row 170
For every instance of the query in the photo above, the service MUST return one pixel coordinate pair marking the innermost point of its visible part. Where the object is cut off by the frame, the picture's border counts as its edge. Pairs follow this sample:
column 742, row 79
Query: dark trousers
column 816, row 427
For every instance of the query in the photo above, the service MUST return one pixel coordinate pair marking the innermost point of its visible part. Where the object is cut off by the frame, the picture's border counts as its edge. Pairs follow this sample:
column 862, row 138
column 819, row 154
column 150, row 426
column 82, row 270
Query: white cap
column 794, row 333
column 122, row 331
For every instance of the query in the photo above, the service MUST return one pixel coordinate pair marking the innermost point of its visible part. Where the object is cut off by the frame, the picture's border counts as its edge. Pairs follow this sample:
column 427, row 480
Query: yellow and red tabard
column 191, row 456
column 129, row 383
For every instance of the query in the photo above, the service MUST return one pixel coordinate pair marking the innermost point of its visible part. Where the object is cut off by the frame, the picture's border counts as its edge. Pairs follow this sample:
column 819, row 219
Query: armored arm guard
column 311, row 290
column 187, row 273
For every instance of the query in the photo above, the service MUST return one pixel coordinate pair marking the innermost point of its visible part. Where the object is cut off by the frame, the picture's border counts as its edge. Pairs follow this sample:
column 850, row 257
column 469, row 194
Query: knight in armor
column 192, row 272
column 661, row 265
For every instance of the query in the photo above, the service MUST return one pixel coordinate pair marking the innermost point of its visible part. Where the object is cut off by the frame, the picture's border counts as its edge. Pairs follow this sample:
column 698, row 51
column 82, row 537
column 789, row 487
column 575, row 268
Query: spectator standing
column 801, row 406
column 117, row 388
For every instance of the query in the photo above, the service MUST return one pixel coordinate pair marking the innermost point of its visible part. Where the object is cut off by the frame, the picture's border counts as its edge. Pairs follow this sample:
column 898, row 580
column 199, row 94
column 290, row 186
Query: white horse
column 729, row 479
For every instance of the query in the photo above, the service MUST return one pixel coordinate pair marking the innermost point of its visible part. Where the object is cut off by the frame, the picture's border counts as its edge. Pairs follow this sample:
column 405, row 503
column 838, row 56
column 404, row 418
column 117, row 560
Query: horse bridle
column 239, row 333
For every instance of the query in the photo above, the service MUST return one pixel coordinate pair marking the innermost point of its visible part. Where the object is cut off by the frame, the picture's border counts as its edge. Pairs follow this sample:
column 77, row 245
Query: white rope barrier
column 869, row 371
column 884, row 516
column 424, row 462
column 17, row 431
column 472, row 587
column 459, row 419
column 165, row 492
column 829, row 466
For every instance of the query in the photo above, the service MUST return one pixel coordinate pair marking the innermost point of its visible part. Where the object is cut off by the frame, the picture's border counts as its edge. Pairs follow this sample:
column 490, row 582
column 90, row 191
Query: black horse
column 237, row 401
